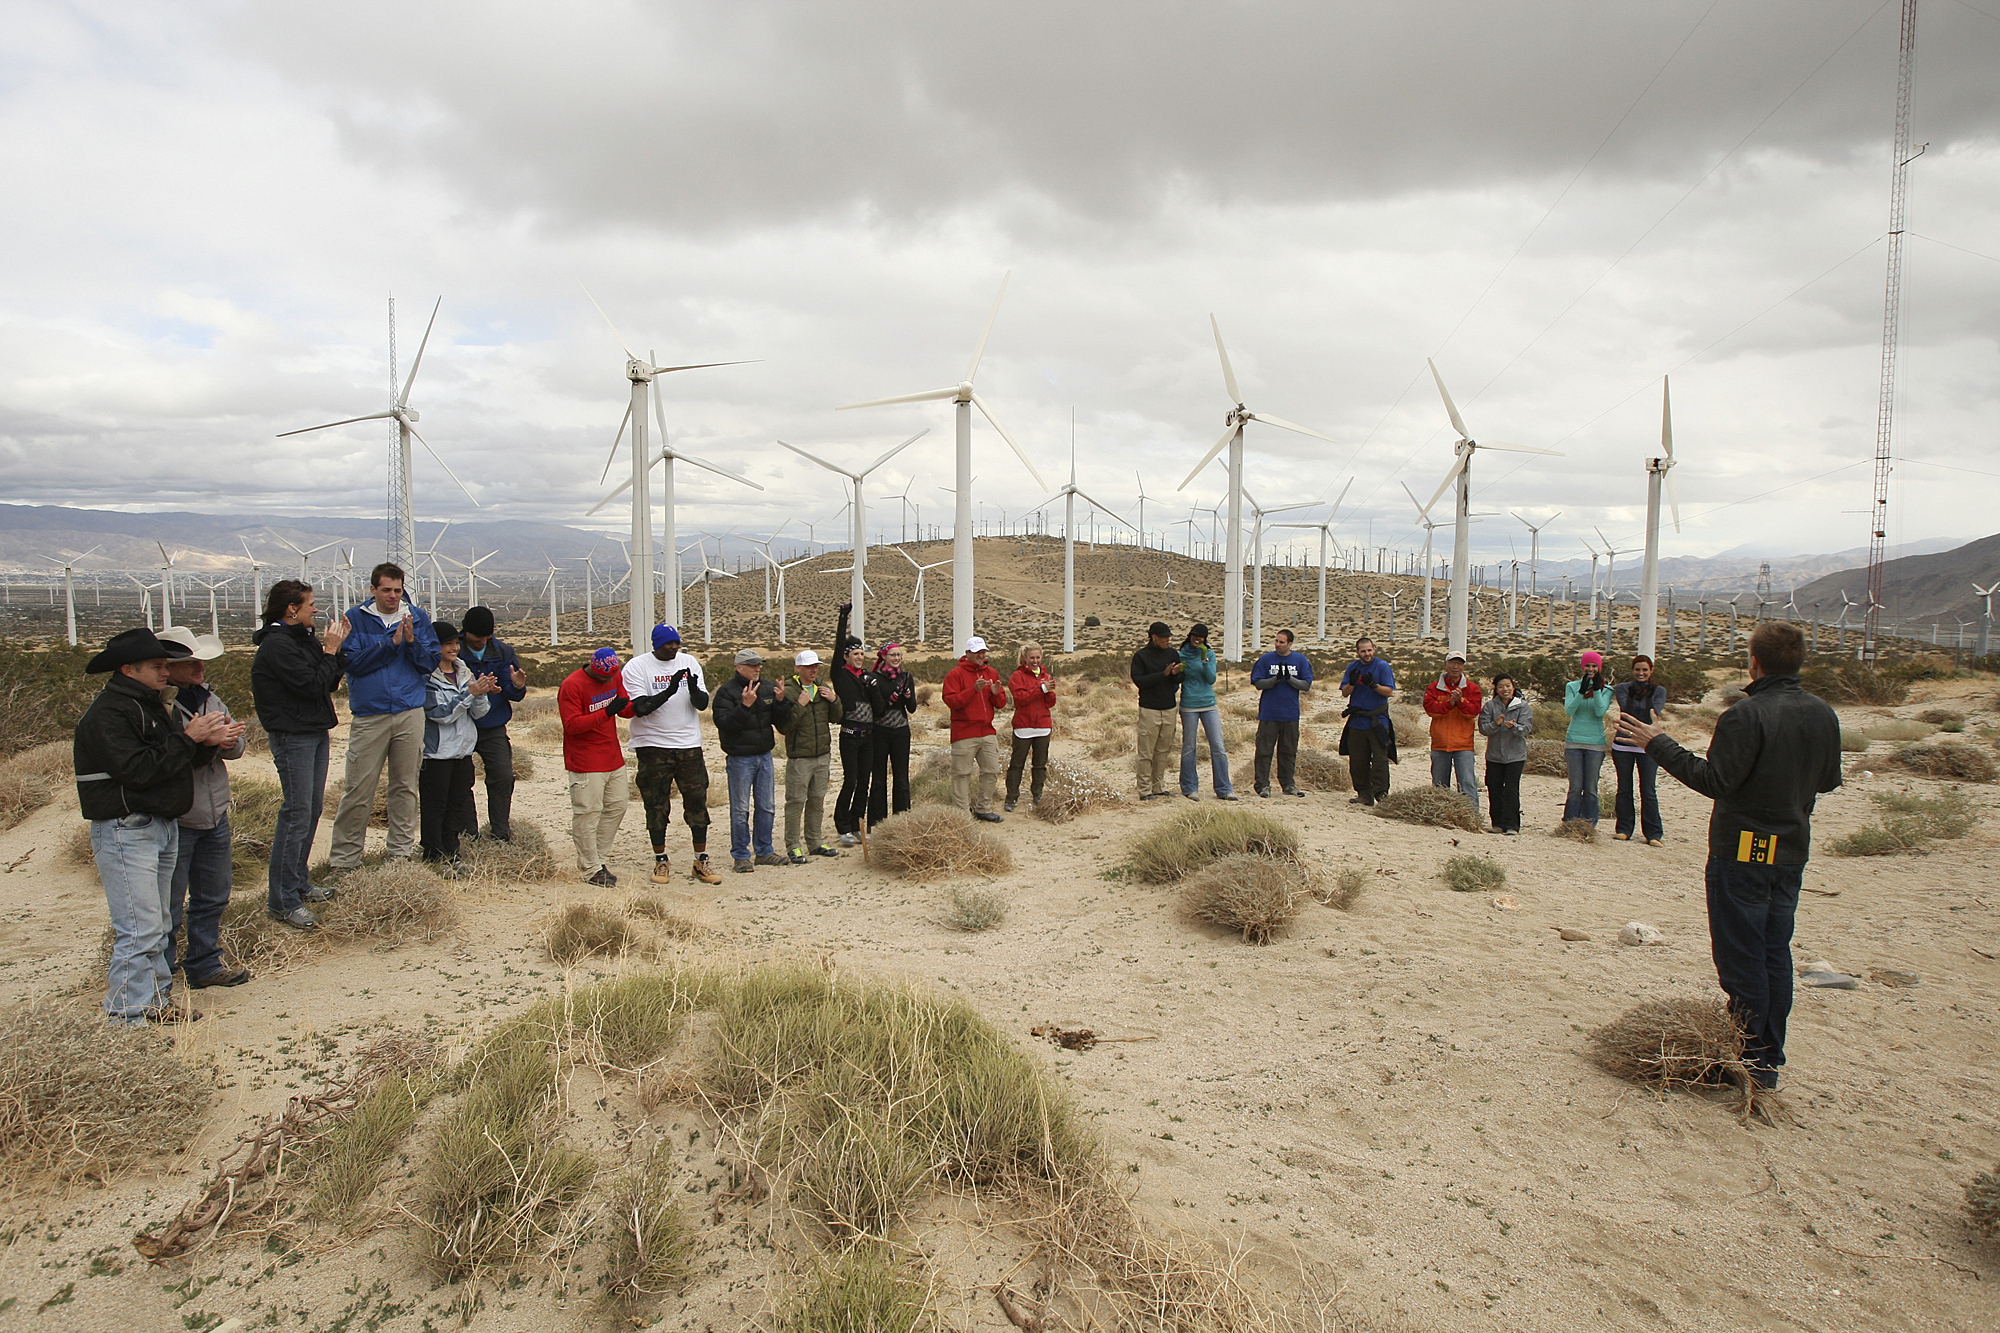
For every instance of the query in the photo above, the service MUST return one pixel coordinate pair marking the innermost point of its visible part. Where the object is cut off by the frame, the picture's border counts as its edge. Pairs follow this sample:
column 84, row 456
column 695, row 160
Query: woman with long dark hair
column 892, row 692
column 1639, row 697
column 1506, row 719
column 292, row 681
column 857, row 731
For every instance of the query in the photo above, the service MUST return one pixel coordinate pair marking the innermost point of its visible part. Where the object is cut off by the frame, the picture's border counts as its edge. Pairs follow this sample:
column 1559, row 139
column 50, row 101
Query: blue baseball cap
column 664, row 635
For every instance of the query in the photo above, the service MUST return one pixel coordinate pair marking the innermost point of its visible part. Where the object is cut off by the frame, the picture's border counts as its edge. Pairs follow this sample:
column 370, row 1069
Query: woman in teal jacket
column 1198, row 712
column 1586, row 700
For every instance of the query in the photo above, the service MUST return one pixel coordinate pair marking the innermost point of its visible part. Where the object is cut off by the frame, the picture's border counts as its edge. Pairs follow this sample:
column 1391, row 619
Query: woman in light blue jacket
column 1586, row 699
column 1199, row 712
column 453, row 698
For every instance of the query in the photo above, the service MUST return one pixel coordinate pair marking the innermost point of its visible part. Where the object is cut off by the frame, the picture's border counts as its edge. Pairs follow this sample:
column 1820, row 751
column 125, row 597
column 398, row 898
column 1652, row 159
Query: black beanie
column 479, row 620
column 446, row 631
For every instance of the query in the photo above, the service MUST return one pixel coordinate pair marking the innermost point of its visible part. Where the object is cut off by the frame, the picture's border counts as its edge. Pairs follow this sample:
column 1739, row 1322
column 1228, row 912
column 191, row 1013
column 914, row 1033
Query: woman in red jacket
column 1034, row 692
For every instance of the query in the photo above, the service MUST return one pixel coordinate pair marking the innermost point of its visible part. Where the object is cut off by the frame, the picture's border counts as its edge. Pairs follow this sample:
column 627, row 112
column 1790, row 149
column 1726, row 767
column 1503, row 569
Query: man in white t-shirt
column 668, row 694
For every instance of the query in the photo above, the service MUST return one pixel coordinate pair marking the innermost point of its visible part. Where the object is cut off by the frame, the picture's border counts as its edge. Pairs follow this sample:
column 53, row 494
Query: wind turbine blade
column 372, row 416
column 287, row 543
column 972, row 366
column 623, row 487
column 925, row 397
column 1283, row 424
column 1673, row 500
column 1343, row 496
column 987, row 412
column 700, row 365
column 446, row 466
column 717, row 469
column 403, row 400
column 608, row 324
column 821, row 461
column 1667, row 425
column 619, row 439
column 659, row 415
column 1520, row 449
column 897, row 450
column 1228, row 371
column 1601, row 537
column 1464, row 456
column 1451, row 408
column 1107, row 509
column 1209, row 456
column 1421, row 511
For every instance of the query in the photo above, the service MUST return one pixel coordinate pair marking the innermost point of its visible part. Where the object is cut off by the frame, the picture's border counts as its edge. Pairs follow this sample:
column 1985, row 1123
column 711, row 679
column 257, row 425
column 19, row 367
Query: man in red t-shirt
column 590, row 701
column 973, row 691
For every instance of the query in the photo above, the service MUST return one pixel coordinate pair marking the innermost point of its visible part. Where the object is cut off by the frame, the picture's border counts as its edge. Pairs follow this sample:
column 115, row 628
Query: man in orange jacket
column 1453, row 701
column 973, row 691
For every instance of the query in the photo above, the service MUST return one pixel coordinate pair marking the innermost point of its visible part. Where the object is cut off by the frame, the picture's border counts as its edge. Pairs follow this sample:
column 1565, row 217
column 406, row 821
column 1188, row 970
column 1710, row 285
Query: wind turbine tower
column 1659, row 476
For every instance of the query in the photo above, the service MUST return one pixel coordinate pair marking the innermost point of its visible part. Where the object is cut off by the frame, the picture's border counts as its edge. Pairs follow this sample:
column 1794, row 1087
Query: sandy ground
column 1397, row 1093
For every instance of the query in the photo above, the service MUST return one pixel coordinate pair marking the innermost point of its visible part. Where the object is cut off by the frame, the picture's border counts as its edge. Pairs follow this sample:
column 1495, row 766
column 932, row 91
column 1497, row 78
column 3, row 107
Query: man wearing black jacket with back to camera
column 1773, row 753
column 1156, row 670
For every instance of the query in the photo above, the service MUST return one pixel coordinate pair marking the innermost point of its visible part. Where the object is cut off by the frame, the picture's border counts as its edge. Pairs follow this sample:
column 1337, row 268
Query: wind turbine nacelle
column 411, row 415
column 638, row 372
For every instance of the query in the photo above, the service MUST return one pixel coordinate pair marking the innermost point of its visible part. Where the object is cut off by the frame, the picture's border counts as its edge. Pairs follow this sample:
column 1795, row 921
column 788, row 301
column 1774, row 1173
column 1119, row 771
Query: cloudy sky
column 210, row 204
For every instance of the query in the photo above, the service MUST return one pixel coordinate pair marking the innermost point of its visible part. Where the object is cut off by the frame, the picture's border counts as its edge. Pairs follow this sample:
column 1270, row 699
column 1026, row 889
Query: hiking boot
column 222, row 976
column 663, row 872
column 849, row 840
column 1621, row 837
column 824, row 850
column 1656, row 842
column 704, row 872
column 173, row 1013
column 987, row 816
column 743, row 867
column 1189, row 796
column 1009, row 807
column 1264, row 792
column 1227, row 796
column 603, row 879
column 298, row 919
column 320, row 893
column 773, row 859
column 1294, row 791
column 500, row 834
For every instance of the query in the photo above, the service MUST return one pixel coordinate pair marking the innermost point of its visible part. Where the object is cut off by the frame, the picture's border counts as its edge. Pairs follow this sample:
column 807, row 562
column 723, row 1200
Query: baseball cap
column 975, row 644
column 204, row 646
column 806, row 657
column 664, row 635
column 749, row 657
column 604, row 658
column 1160, row 627
column 1456, row 658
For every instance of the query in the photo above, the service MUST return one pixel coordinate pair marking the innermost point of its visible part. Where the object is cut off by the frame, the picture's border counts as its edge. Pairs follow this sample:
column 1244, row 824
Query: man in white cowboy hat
column 202, row 872
column 135, row 765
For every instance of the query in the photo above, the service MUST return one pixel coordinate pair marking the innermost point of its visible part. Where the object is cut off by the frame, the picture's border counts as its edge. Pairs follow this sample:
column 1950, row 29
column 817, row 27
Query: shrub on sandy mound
column 1072, row 791
column 1852, row 741
column 1982, row 1203
column 398, row 901
column 930, row 780
column 1576, row 830
column 1322, row 770
column 1909, row 824
column 1471, row 873
column 865, row 1289
column 586, row 930
column 525, row 858
column 1680, row 1041
column 31, row 779
column 1545, row 759
column 81, row 1098
column 1940, row 717
column 1195, row 837
column 1437, row 806
column 974, row 910
column 1898, row 729
column 1254, row 895
column 1946, row 759
column 932, row 840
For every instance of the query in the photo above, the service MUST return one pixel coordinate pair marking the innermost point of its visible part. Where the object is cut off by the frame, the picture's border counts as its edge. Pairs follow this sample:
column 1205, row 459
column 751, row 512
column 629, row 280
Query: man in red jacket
column 973, row 691
column 1453, row 701
column 590, row 701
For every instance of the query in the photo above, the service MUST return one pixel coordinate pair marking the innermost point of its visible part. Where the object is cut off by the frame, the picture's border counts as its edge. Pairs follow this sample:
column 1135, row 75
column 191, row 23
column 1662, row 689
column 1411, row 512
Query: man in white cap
column 202, row 870
column 973, row 691
column 808, row 758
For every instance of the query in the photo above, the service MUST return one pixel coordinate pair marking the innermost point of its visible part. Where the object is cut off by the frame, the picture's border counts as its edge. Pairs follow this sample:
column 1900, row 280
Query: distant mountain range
column 1918, row 589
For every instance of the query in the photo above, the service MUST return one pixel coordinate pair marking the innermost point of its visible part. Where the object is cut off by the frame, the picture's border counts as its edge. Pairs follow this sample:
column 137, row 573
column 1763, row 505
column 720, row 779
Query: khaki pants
column 394, row 741
column 1159, row 748
column 805, row 801
column 597, row 804
column 983, row 753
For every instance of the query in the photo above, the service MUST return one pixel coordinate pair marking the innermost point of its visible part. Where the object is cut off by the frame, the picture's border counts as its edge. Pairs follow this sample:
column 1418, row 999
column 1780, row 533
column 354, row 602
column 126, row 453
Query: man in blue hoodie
column 390, row 649
column 490, row 656
column 1280, row 677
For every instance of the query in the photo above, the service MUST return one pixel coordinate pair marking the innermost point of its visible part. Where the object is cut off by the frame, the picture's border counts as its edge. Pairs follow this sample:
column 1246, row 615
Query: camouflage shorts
column 659, row 771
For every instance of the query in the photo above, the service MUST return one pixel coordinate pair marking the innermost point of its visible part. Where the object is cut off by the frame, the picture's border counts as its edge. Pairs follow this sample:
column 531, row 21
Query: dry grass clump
column 377, row 817
column 1852, row 741
column 1940, row 717
column 1909, row 824
column 652, row 1241
column 1436, row 806
column 1662, row 1043
column 76, row 848
column 1113, row 742
column 82, row 1099
column 974, row 910
column 928, row 841
column 1413, row 727
column 863, row 1290
column 930, row 779
column 1254, row 895
column 524, row 859
column 1545, row 759
column 32, row 779
column 1946, row 759
column 1898, row 729
column 1319, row 770
column 1342, row 888
column 1195, row 837
column 347, row 1163
column 587, row 930
column 1982, row 1203
column 650, row 907
column 399, row 901
column 254, row 940
column 1072, row 791
column 1576, row 830
column 1472, row 873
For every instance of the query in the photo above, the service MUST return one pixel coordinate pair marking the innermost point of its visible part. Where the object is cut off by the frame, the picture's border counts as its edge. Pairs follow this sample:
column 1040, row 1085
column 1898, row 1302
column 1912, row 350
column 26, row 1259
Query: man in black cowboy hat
column 135, row 764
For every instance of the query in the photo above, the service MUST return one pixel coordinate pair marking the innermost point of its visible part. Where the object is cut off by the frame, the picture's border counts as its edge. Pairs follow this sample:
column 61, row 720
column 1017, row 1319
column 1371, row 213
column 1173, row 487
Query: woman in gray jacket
column 1506, row 721
column 203, row 874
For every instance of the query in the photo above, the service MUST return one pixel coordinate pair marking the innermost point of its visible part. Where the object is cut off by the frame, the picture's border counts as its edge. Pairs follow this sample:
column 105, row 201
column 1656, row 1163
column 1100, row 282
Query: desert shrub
column 82, row 1099
column 1852, row 741
column 253, row 822
column 347, row 1164
column 1909, row 824
column 650, row 907
column 1545, row 759
column 1939, row 717
column 652, row 1241
column 43, row 694
column 255, row 941
column 1982, row 1203
column 930, row 779
column 76, row 848
column 1436, row 806
column 1575, row 830
column 1254, row 895
column 1953, row 728
column 1898, row 729
column 1320, row 770
column 1072, row 791
column 1551, row 719
column 1471, row 873
column 1112, row 742
column 1195, row 837
column 525, row 858
column 932, row 840
column 1948, row 759
column 399, row 901
column 586, row 930
column 1413, row 727
column 1342, row 888
column 862, row 1290
column 1852, row 683
column 973, row 910
column 33, row 778
column 1680, row 1041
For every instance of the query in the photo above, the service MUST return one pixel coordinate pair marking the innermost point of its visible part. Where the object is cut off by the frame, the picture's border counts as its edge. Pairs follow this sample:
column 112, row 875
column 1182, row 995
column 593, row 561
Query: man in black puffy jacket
column 748, row 710
column 135, row 764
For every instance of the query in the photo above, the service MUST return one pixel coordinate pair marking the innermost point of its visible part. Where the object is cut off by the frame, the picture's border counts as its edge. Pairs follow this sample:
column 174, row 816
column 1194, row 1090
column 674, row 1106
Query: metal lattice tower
column 1892, row 311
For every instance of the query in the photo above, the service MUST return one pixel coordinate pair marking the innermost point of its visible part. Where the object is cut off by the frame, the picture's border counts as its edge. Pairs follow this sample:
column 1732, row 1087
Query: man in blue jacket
column 390, row 649
column 488, row 656
column 1280, row 677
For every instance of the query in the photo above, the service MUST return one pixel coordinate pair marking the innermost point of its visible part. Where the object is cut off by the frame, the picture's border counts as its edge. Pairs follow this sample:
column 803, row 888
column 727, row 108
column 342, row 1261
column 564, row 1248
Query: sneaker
column 1264, row 792
column 1656, row 842
column 987, row 816
column 1189, row 796
column 663, row 872
column 320, row 893
column 298, row 919
column 1009, row 807
column 705, row 872
column 773, row 859
column 1357, row 800
column 824, row 850
column 222, row 976
column 1227, row 796
column 1294, row 791
column 849, row 840
column 797, row 858
column 603, row 879
column 743, row 867
column 173, row 1013
column 1621, row 837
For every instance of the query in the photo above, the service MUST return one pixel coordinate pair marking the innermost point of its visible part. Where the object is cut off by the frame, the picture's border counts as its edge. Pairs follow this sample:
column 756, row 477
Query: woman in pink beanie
column 1586, row 699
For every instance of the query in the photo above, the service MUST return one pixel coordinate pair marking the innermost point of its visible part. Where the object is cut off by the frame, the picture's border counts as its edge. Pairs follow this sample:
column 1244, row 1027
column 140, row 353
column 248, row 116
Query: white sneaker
column 849, row 840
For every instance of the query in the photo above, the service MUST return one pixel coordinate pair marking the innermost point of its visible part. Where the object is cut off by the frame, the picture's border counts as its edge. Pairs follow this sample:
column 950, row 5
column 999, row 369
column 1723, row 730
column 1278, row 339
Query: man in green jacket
column 808, row 758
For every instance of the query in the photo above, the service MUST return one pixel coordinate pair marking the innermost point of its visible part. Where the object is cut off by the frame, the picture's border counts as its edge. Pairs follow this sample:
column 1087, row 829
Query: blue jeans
column 1648, row 796
column 1446, row 763
column 300, row 758
column 1194, row 721
column 202, row 878
column 1583, row 766
column 1751, row 910
column 135, row 860
column 751, row 776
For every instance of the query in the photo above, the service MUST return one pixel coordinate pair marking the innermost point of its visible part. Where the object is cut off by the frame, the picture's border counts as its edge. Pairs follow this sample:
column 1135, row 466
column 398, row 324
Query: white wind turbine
column 1610, row 580
column 430, row 553
column 146, row 600
column 1659, row 472
column 305, row 557
column 781, row 570
column 917, row 596
column 857, row 587
column 1258, row 514
column 403, row 538
column 1535, row 548
column 69, row 563
column 642, row 374
column 472, row 576
column 589, row 591
column 966, row 399
column 1430, row 527
column 709, row 574
column 1068, row 495
column 1461, row 550
column 257, row 585
column 1985, row 613
column 214, row 619
column 1325, row 531
column 1232, row 439
column 550, row 585
column 1143, row 497
column 166, row 568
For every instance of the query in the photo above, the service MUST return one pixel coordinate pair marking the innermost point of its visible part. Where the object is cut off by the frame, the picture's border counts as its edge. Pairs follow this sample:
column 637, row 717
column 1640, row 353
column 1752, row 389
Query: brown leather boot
column 704, row 873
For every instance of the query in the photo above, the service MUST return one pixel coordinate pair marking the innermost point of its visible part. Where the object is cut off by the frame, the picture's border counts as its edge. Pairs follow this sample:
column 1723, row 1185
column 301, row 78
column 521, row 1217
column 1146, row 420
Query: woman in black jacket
column 292, row 682
column 893, row 693
column 857, row 731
